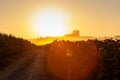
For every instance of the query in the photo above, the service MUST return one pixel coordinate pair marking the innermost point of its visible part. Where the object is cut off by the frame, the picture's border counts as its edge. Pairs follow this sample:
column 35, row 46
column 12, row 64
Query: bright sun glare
column 50, row 22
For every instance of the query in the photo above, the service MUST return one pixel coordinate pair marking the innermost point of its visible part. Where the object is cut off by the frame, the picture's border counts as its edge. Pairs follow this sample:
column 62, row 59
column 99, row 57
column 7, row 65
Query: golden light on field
column 50, row 22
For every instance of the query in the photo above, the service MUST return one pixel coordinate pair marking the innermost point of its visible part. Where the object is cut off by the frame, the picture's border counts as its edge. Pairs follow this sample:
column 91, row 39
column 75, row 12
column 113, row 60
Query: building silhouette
column 75, row 33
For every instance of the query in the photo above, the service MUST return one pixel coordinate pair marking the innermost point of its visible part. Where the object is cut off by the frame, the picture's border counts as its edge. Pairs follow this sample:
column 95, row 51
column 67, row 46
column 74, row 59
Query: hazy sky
column 91, row 17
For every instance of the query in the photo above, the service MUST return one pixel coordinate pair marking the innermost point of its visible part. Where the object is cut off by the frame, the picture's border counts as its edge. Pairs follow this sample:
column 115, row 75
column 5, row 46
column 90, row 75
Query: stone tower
column 76, row 33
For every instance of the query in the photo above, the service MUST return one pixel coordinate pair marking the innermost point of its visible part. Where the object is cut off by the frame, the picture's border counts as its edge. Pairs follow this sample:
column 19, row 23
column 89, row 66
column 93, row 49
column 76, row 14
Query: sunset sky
column 91, row 17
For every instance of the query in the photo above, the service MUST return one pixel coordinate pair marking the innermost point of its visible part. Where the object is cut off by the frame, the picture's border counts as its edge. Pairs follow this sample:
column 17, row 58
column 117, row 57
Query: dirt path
column 30, row 67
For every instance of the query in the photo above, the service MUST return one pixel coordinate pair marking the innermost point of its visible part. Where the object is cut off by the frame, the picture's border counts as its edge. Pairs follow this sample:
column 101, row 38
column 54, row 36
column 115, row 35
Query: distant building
column 75, row 33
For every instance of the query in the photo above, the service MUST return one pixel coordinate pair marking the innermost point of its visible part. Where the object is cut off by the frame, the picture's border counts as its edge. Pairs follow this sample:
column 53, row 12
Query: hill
column 12, row 48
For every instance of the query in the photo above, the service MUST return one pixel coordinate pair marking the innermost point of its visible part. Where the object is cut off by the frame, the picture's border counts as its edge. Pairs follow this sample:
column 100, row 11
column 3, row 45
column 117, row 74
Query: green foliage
column 110, row 59
column 108, row 64
column 12, row 48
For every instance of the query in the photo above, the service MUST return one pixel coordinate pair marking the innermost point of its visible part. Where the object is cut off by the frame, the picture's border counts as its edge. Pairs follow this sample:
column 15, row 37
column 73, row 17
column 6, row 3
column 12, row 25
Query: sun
column 50, row 22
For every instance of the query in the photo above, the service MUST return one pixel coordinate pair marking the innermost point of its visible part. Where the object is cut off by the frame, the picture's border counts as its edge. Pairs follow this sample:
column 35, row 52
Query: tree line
column 12, row 48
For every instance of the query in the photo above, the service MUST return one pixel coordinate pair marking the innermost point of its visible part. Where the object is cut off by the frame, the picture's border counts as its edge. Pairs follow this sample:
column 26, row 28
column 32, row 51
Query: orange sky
column 91, row 17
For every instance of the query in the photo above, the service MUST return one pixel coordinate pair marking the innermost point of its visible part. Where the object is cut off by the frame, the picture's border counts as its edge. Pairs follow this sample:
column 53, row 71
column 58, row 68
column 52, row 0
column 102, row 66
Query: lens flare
column 75, row 65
